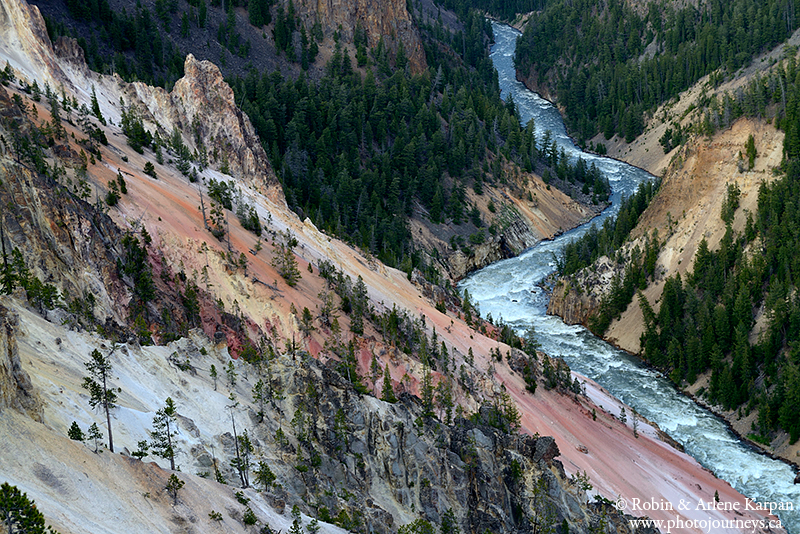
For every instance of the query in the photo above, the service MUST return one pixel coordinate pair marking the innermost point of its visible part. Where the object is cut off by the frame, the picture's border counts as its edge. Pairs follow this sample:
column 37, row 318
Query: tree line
column 610, row 64
column 705, row 321
column 358, row 154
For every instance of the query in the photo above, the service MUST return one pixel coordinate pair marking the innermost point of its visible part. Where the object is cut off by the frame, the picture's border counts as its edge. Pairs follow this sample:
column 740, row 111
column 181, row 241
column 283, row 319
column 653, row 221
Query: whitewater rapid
column 509, row 290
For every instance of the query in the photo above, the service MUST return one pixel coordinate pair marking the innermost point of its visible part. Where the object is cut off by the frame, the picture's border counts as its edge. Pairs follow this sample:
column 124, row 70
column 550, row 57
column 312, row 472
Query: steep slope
column 697, row 176
column 387, row 20
column 243, row 300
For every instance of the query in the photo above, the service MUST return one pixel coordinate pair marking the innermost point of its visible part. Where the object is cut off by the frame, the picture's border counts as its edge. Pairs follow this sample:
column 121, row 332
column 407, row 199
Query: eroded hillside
column 117, row 252
column 701, row 176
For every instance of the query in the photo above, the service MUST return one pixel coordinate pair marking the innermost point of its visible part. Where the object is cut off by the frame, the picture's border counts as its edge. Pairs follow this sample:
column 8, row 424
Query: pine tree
column 75, row 432
column 360, row 306
column 141, row 451
column 306, row 321
column 230, row 372
column 164, row 432
column 100, row 392
column 387, row 393
column 375, row 371
column 427, row 393
column 123, row 185
column 510, row 413
column 173, row 486
column 449, row 523
column 214, row 375
column 260, row 396
column 444, row 399
column 284, row 260
column 18, row 514
column 96, row 108
column 242, row 462
column 95, row 435
column 750, row 150
column 7, row 275
column 239, row 463
column 202, row 14
column 788, row 412
column 264, row 476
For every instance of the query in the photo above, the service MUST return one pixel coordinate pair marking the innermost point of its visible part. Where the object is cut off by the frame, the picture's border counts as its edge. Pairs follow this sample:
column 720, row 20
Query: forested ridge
column 148, row 43
column 359, row 154
column 361, row 144
column 610, row 64
column 705, row 320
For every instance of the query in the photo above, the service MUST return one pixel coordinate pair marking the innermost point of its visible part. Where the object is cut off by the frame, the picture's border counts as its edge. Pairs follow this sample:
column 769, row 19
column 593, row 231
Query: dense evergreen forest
column 149, row 44
column 362, row 144
column 705, row 319
column 610, row 64
column 606, row 240
column 506, row 10
column 359, row 153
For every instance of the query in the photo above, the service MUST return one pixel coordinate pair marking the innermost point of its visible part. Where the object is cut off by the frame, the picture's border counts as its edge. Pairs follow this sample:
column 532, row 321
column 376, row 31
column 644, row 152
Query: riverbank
column 686, row 211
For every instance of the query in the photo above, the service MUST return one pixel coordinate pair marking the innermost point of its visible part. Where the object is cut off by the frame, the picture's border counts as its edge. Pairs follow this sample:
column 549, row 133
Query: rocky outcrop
column 387, row 19
column 63, row 240
column 515, row 238
column 573, row 305
column 384, row 465
column 532, row 82
column 24, row 40
column 16, row 390
column 203, row 107
column 68, row 49
column 576, row 298
column 523, row 213
column 460, row 264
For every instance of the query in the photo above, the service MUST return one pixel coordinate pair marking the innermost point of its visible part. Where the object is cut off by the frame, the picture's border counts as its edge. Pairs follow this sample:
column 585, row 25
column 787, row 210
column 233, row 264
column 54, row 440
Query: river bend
column 509, row 290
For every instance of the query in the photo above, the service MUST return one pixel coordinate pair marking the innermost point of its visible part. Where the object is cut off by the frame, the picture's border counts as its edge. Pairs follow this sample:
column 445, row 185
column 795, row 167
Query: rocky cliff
column 532, row 82
column 62, row 239
column 381, row 19
column 572, row 302
column 516, row 237
column 398, row 465
column 25, row 43
column 16, row 390
column 346, row 458
column 203, row 103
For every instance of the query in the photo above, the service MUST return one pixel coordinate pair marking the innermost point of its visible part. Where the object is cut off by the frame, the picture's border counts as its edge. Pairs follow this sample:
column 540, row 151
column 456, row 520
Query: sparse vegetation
column 174, row 485
column 164, row 432
column 100, row 391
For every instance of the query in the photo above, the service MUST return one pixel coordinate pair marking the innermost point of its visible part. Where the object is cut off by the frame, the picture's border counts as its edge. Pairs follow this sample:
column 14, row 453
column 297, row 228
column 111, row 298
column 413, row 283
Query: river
column 508, row 290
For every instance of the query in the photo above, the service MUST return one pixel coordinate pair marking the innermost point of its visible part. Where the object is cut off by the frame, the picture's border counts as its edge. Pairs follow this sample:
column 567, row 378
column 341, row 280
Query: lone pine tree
column 100, row 394
column 174, row 484
column 95, row 435
column 164, row 426
column 75, row 432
